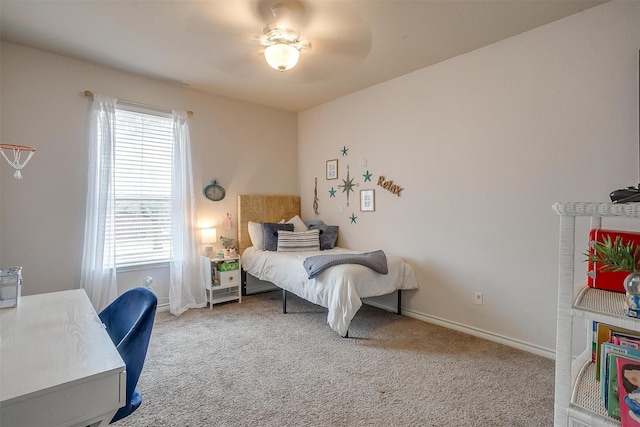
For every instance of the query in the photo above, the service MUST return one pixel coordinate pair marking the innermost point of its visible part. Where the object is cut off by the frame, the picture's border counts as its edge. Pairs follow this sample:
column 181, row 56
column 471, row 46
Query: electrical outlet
column 477, row 298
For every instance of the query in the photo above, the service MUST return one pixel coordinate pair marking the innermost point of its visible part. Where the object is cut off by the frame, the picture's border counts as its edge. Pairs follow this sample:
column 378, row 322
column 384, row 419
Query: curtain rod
column 89, row 94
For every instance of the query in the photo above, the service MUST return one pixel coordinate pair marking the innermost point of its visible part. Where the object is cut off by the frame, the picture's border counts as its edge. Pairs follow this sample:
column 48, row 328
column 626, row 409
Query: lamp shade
column 281, row 56
column 208, row 235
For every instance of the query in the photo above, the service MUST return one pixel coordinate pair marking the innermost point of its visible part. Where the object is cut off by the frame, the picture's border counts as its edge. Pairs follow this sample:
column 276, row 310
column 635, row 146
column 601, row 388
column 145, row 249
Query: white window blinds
column 142, row 174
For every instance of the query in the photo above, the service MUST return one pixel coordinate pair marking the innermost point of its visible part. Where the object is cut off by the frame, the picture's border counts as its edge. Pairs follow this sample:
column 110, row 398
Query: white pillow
column 255, row 234
column 298, row 224
column 292, row 241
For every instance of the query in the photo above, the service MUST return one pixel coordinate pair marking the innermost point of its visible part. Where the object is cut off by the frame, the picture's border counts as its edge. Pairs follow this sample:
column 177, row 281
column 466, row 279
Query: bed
column 339, row 288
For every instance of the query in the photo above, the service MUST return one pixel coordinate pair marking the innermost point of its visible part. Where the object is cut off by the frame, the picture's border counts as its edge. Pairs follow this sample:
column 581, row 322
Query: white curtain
column 186, row 288
column 98, row 273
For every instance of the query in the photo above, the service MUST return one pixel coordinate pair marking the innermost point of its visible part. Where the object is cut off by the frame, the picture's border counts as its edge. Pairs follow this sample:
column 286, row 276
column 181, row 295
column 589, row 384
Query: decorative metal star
column 367, row 177
column 353, row 218
column 332, row 192
column 344, row 150
column 348, row 185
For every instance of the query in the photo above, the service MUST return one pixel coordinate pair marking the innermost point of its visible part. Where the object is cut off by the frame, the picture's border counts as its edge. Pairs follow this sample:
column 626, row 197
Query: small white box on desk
column 10, row 287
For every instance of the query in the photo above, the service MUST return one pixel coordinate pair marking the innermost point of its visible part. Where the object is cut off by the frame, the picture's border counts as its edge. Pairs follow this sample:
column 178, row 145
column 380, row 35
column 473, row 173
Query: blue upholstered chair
column 129, row 319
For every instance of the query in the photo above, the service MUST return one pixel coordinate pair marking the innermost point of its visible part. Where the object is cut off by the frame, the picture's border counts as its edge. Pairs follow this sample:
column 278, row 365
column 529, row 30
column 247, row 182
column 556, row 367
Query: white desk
column 58, row 366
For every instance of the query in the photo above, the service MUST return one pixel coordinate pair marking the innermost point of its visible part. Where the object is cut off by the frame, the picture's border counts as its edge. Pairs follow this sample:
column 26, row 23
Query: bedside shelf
column 577, row 393
column 229, row 283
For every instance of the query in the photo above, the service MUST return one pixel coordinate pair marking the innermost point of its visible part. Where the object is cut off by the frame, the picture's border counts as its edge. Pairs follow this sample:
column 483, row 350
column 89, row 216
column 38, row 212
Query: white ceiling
column 211, row 44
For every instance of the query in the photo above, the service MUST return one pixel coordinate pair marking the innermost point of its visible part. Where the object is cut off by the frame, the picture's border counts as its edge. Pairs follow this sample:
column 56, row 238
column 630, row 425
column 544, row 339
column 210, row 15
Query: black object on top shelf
column 626, row 195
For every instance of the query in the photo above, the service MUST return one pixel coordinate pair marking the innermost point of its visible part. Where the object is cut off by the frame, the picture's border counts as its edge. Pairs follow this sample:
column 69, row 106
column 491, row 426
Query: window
column 142, row 174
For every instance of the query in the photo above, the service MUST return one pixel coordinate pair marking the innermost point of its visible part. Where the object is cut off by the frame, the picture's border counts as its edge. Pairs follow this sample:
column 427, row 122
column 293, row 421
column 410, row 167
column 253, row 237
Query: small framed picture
column 332, row 169
column 367, row 200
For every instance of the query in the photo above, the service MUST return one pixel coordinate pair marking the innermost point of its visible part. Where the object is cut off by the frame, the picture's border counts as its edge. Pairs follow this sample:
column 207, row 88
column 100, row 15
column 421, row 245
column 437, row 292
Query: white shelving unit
column 221, row 286
column 577, row 393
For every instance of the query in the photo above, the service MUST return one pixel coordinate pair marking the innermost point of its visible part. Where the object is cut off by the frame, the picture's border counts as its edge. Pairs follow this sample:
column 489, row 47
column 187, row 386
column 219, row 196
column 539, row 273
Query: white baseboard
column 490, row 336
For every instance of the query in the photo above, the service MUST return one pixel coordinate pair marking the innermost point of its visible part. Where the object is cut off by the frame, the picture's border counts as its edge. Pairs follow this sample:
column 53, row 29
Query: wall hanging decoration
column 347, row 185
column 367, row 176
column 367, row 200
column 344, row 150
column 353, row 218
column 18, row 162
column 332, row 169
column 226, row 221
column 214, row 191
column 389, row 185
column 315, row 197
column 340, row 209
column 332, row 192
column 362, row 163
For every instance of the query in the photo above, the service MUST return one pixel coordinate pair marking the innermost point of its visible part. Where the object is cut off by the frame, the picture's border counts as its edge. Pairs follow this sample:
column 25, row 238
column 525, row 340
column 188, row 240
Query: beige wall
column 483, row 145
column 248, row 148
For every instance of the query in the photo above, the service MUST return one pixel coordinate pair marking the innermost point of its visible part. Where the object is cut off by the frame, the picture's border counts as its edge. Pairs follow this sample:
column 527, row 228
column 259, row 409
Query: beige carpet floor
column 250, row 365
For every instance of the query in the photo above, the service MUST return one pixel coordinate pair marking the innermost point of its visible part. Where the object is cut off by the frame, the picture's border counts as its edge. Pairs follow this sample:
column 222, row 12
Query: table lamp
column 208, row 238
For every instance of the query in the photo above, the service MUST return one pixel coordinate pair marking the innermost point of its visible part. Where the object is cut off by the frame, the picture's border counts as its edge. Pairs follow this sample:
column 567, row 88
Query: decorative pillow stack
column 293, row 235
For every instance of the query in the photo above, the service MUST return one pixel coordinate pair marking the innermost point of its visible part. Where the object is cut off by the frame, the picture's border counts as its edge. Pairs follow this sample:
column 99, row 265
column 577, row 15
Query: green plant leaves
column 614, row 255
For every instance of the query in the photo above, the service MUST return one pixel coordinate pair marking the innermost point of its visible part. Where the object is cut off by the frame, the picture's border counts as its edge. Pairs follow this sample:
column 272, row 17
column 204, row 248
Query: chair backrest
column 129, row 320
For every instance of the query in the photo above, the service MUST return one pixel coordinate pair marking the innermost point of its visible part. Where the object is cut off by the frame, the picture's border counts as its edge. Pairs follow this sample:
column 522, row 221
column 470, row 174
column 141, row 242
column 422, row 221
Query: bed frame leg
column 243, row 282
column 284, row 301
column 399, row 302
column 346, row 335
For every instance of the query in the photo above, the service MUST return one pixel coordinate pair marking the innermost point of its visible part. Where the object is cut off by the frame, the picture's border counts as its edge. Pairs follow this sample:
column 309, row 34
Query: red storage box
column 608, row 280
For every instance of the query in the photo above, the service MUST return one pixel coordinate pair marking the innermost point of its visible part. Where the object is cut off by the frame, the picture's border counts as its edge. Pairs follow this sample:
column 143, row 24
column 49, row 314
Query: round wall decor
column 214, row 191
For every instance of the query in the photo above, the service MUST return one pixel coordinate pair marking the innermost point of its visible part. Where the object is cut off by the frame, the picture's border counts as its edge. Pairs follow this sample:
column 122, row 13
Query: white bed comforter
column 339, row 288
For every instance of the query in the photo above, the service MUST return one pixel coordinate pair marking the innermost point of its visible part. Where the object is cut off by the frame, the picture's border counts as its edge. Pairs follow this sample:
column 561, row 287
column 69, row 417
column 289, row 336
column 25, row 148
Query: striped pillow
column 291, row 241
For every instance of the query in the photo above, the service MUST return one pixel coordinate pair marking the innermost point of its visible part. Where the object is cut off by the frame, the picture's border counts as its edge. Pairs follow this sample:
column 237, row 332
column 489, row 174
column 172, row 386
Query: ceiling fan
column 281, row 39
column 329, row 38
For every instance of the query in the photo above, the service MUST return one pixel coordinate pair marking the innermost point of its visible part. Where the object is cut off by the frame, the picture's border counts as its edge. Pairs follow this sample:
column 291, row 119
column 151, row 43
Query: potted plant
column 617, row 255
column 228, row 244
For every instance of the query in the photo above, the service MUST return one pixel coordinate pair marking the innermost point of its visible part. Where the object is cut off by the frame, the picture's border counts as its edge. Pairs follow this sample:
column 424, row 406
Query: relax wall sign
column 389, row 185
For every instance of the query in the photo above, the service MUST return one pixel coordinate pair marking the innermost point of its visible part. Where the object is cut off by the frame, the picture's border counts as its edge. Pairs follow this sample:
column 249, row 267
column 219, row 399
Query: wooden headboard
column 263, row 208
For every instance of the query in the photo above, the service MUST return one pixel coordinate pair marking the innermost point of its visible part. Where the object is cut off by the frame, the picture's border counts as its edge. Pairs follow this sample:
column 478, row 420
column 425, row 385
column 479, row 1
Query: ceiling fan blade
column 223, row 19
column 339, row 41
column 293, row 14
column 241, row 63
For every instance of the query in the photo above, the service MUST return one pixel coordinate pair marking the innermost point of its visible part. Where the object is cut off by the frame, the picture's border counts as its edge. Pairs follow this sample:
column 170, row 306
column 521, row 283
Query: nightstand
column 222, row 281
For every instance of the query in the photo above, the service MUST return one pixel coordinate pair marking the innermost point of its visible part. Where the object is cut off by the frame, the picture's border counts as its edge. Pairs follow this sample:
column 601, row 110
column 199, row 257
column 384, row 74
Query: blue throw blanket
column 377, row 261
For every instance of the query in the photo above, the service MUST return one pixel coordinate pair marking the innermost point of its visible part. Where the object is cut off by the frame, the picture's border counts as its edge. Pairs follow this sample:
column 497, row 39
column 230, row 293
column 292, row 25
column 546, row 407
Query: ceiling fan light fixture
column 281, row 56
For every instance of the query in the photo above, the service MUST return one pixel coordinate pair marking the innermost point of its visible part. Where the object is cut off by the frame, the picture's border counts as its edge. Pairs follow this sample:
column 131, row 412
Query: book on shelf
column 628, row 375
column 612, row 402
column 613, row 343
column 594, row 340
column 624, row 340
column 609, row 349
column 603, row 335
